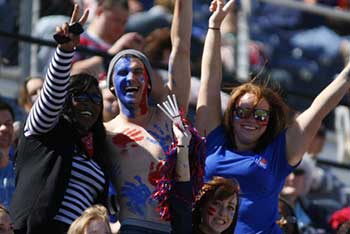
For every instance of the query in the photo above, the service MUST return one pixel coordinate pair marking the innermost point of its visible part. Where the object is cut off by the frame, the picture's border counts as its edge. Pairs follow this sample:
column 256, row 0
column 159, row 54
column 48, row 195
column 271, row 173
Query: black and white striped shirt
column 87, row 179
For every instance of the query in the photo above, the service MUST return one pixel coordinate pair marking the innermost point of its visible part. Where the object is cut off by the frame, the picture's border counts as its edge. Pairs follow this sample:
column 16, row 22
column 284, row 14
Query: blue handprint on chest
column 138, row 196
column 161, row 135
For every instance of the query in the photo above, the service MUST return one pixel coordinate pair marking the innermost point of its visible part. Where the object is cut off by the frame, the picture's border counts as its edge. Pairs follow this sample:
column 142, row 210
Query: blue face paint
column 123, row 79
column 138, row 196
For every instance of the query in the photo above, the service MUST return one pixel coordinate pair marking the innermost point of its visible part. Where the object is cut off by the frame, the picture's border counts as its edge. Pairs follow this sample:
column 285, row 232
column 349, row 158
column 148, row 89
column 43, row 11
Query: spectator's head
column 29, row 92
column 255, row 106
column 84, row 104
column 158, row 46
column 130, row 79
column 110, row 102
column 110, row 19
column 296, row 183
column 287, row 220
column 216, row 207
column 7, row 118
column 93, row 220
column 6, row 225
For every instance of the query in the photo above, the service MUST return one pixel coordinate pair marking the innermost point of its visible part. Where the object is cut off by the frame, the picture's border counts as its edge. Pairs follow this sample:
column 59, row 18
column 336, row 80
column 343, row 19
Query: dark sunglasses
column 84, row 97
column 258, row 114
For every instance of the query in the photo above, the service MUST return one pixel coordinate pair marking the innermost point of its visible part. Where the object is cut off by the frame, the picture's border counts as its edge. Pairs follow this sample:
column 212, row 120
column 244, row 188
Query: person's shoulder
column 114, row 125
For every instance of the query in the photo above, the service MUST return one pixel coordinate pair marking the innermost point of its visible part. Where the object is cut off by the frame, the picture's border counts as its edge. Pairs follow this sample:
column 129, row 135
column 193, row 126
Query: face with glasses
column 250, row 120
column 86, row 107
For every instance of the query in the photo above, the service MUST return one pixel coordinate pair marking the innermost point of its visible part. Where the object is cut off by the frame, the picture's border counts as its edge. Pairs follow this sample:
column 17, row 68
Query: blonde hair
column 96, row 212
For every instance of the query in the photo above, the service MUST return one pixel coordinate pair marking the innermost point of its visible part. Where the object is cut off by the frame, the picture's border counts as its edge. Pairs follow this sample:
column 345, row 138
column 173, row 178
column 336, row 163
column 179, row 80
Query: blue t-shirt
column 7, row 184
column 261, row 177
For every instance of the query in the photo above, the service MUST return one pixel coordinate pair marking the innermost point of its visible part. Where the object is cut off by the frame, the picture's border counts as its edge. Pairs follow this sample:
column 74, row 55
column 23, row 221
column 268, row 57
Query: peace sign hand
column 219, row 10
column 68, row 35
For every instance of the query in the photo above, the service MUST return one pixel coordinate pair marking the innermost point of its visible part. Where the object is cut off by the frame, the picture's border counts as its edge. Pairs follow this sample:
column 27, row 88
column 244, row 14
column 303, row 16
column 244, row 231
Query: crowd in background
column 67, row 160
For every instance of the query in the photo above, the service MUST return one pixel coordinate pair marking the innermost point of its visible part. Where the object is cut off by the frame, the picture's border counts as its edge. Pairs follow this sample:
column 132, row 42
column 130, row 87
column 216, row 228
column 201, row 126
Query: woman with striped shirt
column 59, row 168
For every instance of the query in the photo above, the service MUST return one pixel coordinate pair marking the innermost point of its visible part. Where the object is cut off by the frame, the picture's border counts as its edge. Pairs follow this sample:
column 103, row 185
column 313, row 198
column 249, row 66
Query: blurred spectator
column 322, row 183
column 7, row 174
column 312, row 214
column 106, row 33
column 6, row 225
column 46, row 26
column 110, row 102
column 55, row 7
column 292, row 191
column 257, row 56
column 93, row 220
column 298, row 45
column 29, row 92
column 287, row 220
column 135, row 6
column 158, row 16
column 8, row 19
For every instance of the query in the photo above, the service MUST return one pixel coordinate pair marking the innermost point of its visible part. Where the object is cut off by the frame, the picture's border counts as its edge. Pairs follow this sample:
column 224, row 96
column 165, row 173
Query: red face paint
column 211, row 211
column 128, row 137
column 143, row 104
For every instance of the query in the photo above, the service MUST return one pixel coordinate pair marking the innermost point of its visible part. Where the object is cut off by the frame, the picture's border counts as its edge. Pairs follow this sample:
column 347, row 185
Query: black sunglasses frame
column 239, row 113
column 84, row 97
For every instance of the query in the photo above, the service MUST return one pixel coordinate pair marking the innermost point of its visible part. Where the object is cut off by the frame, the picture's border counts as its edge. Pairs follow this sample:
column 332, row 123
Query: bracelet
column 213, row 28
column 182, row 146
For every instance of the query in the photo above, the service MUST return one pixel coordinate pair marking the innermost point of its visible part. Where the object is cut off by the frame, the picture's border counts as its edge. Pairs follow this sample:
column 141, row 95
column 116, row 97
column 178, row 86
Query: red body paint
column 211, row 210
column 127, row 137
column 155, row 173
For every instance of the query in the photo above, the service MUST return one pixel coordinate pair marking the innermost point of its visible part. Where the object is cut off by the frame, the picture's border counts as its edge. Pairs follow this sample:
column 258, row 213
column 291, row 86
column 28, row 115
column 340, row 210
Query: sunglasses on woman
column 84, row 97
column 259, row 115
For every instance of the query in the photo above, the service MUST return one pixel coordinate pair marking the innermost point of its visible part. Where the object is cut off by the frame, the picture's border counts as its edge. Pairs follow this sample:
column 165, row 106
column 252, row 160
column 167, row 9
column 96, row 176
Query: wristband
column 213, row 28
column 75, row 28
column 182, row 146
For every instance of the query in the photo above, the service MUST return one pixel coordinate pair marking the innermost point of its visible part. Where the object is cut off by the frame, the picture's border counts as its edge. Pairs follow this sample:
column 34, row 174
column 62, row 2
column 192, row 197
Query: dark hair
column 218, row 188
column 278, row 112
column 7, row 107
column 81, row 83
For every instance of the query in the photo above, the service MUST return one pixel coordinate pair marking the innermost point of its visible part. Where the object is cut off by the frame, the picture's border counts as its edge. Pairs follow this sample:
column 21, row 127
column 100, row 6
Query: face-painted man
column 130, row 79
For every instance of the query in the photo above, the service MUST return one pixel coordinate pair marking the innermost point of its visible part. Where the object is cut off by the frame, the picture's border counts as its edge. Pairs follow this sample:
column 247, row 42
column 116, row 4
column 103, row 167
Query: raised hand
column 72, row 30
column 219, row 10
column 171, row 110
column 130, row 40
column 183, row 136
